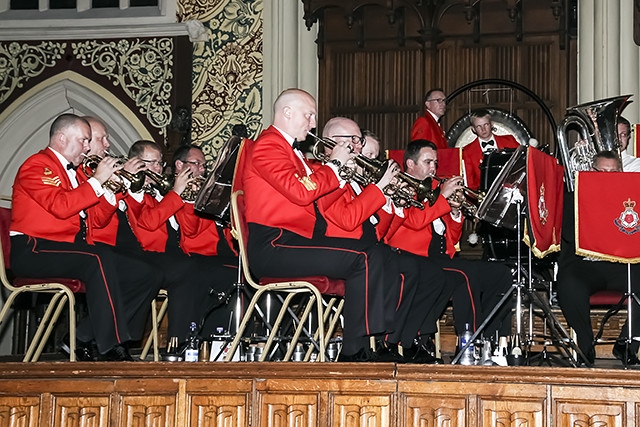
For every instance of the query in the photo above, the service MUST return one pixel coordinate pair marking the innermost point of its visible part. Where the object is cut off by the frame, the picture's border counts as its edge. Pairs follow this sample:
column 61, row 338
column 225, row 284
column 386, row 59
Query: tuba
column 597, row 124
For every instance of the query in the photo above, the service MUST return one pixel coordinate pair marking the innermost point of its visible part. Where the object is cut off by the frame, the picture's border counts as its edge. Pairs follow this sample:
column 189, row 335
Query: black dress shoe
column 627, row 356
column 389, row 353
column 85, row 352
column 117, row 354
column 362, row 355
column 419, row 353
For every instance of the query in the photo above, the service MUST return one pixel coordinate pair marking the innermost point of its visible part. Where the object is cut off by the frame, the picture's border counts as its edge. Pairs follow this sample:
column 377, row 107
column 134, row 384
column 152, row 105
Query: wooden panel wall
column 273, row 394
column 377, row 72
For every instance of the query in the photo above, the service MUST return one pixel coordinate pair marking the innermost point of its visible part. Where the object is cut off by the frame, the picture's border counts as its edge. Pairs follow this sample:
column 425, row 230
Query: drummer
column 485, row 142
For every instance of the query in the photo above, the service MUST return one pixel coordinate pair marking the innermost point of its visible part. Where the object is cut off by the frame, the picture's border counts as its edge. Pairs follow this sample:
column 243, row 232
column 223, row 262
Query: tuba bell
column 596, row 123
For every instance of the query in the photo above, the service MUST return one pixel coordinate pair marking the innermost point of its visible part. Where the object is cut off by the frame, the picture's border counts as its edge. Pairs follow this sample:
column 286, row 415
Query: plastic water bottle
column 193, row 345
column 467, row 357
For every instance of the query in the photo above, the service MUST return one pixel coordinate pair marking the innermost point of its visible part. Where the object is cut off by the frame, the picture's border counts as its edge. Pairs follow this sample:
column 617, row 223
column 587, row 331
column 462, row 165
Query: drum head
column 492, row 164
column 508, row 191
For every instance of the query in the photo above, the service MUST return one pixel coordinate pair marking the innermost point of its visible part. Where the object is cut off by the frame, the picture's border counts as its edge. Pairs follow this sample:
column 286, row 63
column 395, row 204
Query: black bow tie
column 295, row 145
column 486, row 144
column 70, row 166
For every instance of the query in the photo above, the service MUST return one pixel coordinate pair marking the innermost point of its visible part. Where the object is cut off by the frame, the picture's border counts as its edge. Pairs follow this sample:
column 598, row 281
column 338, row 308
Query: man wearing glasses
column 629, row 162
column 427, row 126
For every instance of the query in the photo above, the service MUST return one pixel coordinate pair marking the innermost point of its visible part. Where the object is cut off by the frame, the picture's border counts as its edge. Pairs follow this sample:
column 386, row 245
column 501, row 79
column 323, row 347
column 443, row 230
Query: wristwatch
column 336, row 162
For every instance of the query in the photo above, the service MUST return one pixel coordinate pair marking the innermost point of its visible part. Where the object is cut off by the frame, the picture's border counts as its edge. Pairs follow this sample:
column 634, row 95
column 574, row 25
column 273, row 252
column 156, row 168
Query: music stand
column 505, row 206
column 617, row 225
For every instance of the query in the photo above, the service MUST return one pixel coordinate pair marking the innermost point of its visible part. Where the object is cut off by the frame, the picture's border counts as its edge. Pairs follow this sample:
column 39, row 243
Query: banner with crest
column 607, row 220
column 545, row 194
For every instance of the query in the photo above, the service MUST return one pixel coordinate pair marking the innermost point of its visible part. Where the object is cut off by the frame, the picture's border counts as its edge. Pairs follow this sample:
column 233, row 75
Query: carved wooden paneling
column 81, row 411
column 284, row 409
column 219, row 410
column 219, row 402
column 314, row 394
column 19, row 411
column 142, row 411
column 377, row 64
column 596, row 406
column 361, row 410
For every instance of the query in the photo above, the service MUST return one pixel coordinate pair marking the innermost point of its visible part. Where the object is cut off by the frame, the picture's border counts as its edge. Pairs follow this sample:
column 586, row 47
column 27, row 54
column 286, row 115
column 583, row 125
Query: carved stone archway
column 24, row 125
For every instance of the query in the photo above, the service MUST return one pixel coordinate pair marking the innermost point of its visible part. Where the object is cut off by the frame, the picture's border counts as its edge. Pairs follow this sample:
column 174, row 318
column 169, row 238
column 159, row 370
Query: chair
column 313, row 288
column 62, row 292
column 156, row 320
column 614, row 299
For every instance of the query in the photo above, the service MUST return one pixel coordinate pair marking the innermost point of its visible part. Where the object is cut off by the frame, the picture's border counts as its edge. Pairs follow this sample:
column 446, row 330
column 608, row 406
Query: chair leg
column 276, row 326
column 300, row 327
column 243, row 324
column 156, row 319
column 66, row 297
column 46, row 324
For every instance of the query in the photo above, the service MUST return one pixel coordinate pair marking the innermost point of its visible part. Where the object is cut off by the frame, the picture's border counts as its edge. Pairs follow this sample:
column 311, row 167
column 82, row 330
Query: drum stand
column 560, row 337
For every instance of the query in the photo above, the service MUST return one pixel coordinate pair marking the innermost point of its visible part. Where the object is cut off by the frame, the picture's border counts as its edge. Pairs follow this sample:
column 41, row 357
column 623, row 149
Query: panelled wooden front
column 273, row 394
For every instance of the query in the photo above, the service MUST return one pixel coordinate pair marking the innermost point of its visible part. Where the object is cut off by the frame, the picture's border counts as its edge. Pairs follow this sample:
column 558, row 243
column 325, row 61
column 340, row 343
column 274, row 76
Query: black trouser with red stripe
column 280, row 253
column 424, row 292
column 478, row 287
column 119, row 289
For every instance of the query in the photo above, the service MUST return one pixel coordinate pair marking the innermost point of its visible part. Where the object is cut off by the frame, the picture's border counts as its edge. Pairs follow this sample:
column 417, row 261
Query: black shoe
column 627, row 356
column 419, row 353
column 427, row 344
column 362, row 355
column 389, row 353
column 117, row 354
column 85, row 352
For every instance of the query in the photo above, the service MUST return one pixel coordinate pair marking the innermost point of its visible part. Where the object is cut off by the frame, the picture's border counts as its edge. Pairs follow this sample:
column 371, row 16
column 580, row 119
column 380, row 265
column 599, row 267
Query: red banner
column 545, row 194
column 607, row 222
column 449, row 162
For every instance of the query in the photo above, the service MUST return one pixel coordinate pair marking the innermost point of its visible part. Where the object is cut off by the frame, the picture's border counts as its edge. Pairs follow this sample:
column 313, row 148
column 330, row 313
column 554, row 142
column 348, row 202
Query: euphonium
column 597, row 124
column 90, row 163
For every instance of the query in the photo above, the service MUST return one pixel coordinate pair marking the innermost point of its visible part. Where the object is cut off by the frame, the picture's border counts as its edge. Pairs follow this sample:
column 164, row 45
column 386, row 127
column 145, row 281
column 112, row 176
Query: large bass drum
column 503, row 178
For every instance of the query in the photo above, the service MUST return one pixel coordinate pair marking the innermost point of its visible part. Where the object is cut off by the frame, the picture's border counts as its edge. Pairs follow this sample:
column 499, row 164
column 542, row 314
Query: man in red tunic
column 427, row 126
column 486, row 142
column 48, row 239
column 280, row 189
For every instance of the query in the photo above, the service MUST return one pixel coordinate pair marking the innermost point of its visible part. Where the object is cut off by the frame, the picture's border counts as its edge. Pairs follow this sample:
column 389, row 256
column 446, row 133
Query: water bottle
column 467, row 357
column 193, row 345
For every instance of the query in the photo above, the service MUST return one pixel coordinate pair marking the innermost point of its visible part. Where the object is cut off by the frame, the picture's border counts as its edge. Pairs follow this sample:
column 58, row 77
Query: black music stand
column 505, row 206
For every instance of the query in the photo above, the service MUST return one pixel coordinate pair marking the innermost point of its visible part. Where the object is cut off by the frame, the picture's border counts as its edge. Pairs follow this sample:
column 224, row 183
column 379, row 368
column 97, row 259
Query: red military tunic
column 44, row 204
column 414, row 233
column 472, row 157
column 148, row 219
column 426, row 127
column 278, row 190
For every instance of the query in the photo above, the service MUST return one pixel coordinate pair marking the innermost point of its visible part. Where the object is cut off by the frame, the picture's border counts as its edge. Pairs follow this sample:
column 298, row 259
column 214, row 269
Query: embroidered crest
column 307, row 182
column 543, row 212
column 47, row 171
column 628, row 221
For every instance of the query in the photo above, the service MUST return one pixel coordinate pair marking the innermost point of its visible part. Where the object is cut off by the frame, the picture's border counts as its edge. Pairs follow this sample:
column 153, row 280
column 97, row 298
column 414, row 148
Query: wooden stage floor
column 314, row 394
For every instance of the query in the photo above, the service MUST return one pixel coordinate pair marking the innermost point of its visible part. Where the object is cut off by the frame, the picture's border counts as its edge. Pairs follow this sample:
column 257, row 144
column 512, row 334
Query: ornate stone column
column 290, row 58
column 608, row 58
